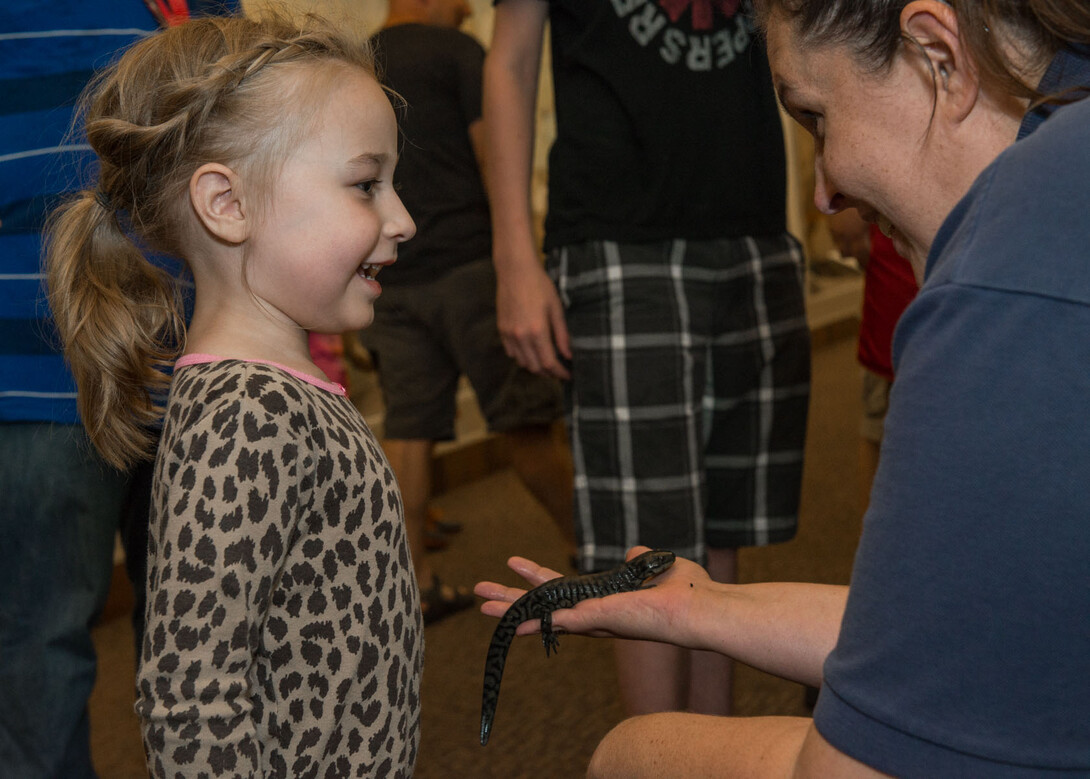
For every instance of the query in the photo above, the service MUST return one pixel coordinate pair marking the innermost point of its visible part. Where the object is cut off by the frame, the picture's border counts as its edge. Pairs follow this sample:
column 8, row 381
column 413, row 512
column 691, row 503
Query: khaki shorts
column 875, row 405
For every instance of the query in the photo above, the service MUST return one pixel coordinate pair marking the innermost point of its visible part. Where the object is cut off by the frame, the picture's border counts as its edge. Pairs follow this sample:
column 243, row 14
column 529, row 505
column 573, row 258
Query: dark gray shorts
column 426, row 335
column 689, row 393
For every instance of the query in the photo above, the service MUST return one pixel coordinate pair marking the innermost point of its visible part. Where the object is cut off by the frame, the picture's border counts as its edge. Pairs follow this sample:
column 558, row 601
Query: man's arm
column 529, row 313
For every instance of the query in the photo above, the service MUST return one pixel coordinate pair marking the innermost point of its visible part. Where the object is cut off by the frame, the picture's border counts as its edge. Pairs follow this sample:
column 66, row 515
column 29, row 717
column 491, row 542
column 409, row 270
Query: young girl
column 283, row 625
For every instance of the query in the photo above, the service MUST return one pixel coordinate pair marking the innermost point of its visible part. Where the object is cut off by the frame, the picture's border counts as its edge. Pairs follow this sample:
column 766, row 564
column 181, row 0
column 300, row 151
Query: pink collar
column 201, row 359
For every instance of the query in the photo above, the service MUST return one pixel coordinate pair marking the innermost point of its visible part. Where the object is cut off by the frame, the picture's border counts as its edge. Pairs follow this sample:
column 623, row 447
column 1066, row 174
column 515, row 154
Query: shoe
column 434, row 540
column 441, row 600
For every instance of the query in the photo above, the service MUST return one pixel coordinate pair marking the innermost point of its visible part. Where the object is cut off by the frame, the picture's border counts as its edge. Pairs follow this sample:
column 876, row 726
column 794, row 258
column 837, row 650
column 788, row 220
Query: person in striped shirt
column 60, row 504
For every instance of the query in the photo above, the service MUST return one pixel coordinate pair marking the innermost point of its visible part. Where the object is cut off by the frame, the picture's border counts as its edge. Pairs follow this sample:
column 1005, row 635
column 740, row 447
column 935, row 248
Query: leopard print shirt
column 284, row 636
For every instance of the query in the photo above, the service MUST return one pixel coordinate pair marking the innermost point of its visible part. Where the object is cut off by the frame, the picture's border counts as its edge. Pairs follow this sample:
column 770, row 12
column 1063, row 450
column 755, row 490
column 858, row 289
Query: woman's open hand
column 656, row 613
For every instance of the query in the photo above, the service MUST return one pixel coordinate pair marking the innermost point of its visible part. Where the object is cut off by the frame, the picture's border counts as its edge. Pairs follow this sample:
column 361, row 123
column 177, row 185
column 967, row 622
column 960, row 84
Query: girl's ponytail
column 119, row 320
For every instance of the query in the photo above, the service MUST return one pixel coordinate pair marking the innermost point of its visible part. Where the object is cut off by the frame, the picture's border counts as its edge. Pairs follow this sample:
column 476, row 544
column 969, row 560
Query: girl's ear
column 216, row 197
column 933, row 26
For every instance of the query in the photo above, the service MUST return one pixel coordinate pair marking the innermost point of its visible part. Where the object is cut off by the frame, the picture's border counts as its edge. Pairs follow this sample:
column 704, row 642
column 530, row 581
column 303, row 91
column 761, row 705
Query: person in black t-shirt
column 436, row 319
column 672, row 295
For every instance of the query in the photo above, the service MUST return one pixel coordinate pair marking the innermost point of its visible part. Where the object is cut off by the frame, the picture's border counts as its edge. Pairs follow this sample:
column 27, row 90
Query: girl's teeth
column 885, row 226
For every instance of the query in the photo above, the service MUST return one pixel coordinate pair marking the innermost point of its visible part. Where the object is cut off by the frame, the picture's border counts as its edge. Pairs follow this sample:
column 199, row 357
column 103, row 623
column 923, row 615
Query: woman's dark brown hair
column 871, row 29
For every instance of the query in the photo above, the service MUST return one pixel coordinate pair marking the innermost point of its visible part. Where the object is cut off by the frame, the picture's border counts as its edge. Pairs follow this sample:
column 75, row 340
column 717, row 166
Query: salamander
column 540, row 603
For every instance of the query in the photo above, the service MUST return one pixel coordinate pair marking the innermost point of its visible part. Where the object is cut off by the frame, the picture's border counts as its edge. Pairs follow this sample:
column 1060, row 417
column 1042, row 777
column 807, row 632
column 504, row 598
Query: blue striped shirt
column 48, row 52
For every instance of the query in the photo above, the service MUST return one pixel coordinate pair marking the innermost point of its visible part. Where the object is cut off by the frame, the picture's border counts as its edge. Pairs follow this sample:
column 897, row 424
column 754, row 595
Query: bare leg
column 543, row 463
column 659, row 677
column 653, row 677
column 710, row 677
column 411, row 461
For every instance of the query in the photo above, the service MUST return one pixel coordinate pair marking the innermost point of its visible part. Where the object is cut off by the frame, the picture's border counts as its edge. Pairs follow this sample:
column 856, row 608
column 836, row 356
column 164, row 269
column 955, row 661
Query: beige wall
column 361, row 18
column 364, row 17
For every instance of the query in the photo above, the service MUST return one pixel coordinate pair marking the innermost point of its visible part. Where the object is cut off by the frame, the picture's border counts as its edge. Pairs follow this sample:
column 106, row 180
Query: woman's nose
column 827, row 198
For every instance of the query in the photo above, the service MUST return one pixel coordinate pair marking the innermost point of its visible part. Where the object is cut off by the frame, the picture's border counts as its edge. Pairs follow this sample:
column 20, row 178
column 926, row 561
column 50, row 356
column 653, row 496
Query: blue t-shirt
column 48, row 52
column 965, row 647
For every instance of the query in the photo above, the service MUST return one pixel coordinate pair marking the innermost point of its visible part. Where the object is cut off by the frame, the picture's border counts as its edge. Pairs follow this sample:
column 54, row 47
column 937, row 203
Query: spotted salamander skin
column 543, row 600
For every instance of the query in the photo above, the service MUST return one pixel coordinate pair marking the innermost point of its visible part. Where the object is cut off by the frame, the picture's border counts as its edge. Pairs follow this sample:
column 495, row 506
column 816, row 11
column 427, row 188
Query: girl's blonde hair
column 209, row 90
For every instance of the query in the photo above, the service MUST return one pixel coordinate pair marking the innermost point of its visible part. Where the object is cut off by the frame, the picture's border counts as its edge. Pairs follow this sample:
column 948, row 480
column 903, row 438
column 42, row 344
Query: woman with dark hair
column 963, row 645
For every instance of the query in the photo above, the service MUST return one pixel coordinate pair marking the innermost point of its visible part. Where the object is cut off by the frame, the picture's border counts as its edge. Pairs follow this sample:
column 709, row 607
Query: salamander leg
column 549, row 639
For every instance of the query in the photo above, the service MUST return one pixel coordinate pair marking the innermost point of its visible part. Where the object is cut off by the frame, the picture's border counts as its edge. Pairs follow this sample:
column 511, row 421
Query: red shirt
column 888, row 288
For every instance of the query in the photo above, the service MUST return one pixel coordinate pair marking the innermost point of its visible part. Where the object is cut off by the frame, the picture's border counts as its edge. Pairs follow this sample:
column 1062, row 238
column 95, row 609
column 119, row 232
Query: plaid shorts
column 691, row 385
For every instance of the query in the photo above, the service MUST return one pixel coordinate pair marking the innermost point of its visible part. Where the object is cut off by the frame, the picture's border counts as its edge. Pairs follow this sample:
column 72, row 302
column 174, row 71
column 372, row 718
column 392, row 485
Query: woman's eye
column 367, row 187
column 811, row 122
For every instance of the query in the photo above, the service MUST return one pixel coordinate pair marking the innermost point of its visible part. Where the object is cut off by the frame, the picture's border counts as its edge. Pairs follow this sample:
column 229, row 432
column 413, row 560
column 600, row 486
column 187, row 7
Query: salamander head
column 651, row 563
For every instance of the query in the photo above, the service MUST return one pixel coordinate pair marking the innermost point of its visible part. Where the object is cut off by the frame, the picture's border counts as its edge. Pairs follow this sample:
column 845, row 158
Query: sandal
column 434, row 540
column 441, row 600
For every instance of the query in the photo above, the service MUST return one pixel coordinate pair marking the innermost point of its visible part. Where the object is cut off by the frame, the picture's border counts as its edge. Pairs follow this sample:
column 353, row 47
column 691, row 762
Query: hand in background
column 531, row 321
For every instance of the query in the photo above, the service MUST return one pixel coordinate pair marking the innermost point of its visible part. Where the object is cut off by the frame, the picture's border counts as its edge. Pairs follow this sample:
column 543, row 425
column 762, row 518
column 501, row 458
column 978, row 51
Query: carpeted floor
column 552, row 712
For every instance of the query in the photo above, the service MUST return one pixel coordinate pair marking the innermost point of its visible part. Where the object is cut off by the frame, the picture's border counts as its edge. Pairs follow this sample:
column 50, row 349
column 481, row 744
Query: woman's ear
column 933, row 26
column 217, row 200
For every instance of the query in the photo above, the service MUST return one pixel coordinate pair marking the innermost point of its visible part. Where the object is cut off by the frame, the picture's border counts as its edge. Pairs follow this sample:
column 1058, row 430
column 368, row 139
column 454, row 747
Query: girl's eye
column 367, row 187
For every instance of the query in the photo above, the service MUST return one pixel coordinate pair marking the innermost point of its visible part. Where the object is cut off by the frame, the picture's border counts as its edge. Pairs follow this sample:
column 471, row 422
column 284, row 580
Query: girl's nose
column 399, row 225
